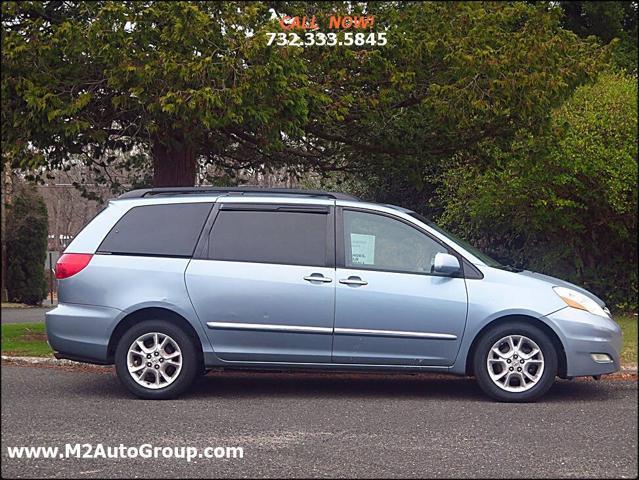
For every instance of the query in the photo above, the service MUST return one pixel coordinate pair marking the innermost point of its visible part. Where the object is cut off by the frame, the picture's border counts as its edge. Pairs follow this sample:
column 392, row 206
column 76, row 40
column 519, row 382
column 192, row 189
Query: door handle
column 353, row 281
column 318, row 277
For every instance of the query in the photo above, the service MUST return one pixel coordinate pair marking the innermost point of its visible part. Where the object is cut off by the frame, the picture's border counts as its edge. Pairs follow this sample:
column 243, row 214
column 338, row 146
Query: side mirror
column 446, row 264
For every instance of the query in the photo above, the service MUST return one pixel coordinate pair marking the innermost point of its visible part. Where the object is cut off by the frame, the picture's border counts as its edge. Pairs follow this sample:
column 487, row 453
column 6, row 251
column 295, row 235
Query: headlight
column 578, row 300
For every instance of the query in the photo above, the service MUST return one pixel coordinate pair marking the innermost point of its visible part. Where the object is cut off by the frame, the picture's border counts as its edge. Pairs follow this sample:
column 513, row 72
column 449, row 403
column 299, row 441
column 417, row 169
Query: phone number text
column 320, row 39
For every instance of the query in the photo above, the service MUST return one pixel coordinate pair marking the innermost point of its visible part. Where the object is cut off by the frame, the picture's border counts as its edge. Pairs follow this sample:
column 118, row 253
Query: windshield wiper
column 510, row 268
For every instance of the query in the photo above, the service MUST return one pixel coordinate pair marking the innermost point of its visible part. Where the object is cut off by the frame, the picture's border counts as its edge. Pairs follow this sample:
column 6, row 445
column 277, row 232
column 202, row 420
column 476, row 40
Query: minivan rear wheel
column 515, row 362
column 156, row 359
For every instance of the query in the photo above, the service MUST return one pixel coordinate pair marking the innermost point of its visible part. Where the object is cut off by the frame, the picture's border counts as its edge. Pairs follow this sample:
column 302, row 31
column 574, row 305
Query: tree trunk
column 7, row 190
column 174, row 162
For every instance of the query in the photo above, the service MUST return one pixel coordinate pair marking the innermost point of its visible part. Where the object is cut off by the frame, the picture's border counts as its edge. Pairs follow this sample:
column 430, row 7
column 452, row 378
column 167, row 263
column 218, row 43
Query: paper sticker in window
column 362, row 249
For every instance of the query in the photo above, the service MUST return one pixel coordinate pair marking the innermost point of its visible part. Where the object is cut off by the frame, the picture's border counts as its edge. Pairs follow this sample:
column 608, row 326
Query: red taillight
column 71, row 263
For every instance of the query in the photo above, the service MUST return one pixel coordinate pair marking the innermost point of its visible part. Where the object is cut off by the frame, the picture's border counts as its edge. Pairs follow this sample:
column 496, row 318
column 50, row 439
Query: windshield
column 491, row 262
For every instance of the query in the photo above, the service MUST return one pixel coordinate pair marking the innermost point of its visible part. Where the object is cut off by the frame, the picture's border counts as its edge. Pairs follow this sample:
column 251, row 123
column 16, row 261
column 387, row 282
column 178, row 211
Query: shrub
column 563, row 203
column 27, row 229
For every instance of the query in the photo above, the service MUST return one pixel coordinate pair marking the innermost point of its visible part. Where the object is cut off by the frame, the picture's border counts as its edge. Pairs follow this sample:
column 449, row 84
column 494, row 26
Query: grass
column 628, row 324
column 25, row 339
column 30, row 339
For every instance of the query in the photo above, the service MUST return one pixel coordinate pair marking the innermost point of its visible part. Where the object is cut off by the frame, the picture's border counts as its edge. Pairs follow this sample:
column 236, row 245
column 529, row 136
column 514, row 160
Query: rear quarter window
column 168, row 230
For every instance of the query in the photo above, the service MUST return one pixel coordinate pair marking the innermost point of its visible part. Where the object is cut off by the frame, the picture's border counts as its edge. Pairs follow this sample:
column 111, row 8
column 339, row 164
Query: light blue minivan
column 169, row 283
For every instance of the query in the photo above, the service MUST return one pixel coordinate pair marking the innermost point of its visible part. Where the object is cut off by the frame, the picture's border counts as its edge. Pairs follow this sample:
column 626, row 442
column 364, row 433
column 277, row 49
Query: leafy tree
column 190, row 83
column 608, row 21
column 453, row 76
column 26, row 238
column 564, row 203
column 176, row 79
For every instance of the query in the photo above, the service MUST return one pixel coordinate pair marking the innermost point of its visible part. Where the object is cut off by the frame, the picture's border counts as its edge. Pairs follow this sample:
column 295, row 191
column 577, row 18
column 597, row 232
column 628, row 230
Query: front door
column 389, row 308
column 266, row 289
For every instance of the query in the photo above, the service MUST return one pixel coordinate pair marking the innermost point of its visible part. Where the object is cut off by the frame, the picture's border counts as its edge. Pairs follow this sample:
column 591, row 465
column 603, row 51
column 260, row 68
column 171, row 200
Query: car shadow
column 252, row 384
column 583, row 389
column 352, row 385
column 369, row 385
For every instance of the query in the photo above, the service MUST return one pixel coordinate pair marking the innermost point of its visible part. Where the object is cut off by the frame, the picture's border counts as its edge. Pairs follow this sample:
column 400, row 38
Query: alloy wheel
column 154, row 360
column 515, row 363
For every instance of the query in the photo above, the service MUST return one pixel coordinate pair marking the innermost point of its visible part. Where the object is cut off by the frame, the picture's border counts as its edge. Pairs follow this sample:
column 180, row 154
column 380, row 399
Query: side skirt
column 213, row 362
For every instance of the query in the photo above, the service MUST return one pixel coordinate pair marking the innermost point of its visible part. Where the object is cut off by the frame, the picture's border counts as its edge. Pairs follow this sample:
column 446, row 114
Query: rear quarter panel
column 130, row 283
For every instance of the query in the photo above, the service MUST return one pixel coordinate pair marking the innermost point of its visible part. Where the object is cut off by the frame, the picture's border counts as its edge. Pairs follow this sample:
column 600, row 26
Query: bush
column 27, row 230
column 563, row 203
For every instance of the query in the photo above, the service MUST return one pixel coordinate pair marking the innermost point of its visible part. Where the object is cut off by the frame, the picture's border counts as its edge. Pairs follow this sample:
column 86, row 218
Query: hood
column 562, row 283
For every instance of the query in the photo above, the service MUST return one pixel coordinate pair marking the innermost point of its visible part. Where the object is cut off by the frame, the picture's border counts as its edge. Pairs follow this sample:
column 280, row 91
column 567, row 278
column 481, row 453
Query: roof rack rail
column 241, row 190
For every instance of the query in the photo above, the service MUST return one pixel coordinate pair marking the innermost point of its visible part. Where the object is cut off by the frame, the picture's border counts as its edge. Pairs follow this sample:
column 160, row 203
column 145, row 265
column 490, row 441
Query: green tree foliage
column 564, row 203
column 454, row 76
column 608, row 21
column 463, row 104
column 26, row 237
column 195, row 81
column 175, row 79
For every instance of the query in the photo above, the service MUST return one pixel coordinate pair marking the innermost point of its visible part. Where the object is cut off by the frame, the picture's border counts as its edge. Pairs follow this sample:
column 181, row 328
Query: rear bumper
column 81, row 332
column 585, row 334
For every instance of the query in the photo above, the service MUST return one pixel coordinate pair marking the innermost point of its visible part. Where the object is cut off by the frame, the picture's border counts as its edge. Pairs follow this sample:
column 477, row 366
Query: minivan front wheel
column 156, row 359
column 515, row 362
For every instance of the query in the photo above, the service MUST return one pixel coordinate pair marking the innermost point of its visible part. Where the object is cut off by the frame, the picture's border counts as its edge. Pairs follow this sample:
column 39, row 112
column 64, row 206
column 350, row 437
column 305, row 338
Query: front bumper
column 584, row 334
column 81, row 332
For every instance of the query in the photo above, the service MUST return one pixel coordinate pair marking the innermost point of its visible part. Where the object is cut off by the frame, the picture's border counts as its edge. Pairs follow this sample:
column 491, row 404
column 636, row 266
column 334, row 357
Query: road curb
column 625, row 369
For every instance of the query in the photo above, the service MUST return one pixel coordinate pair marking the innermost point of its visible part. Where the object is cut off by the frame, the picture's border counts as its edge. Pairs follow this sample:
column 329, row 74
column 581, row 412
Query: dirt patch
column 625, row 376
column 35, row 337
column 80, row 367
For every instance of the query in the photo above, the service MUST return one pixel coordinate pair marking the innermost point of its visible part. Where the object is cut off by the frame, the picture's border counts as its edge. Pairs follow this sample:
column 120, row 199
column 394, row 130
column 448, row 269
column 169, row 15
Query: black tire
column 480, row 358
column 191, row 366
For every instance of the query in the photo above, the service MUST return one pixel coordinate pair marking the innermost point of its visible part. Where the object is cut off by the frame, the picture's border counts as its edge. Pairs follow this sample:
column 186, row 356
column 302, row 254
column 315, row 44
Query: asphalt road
column 318, row 425
column 23, row 315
